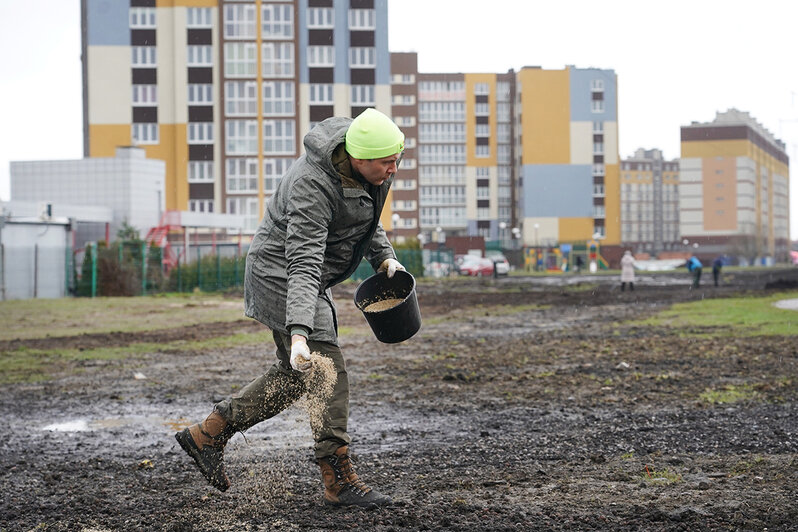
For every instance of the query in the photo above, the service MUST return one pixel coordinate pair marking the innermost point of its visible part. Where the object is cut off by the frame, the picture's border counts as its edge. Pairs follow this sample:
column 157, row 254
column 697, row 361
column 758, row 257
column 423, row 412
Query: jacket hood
column 322, row 140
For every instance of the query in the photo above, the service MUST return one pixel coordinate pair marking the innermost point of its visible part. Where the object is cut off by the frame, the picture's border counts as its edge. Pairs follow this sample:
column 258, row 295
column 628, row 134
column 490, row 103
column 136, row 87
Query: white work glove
column 390, row 266
column 300, row 355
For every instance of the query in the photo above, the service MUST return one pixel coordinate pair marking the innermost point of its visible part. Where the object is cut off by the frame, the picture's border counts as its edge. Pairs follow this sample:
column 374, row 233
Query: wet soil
column 522, row 404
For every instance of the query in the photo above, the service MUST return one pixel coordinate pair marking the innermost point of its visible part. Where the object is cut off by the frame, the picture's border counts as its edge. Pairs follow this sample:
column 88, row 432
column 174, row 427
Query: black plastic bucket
column 397, row 323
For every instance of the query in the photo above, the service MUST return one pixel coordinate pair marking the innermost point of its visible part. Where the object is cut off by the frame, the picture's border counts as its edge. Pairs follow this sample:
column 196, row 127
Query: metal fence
column 132, row 268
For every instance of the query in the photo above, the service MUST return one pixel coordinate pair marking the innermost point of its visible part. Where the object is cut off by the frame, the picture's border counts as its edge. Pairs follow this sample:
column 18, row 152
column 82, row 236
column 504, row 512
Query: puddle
column 79, row 425
column 787, row 304
column 82, row 425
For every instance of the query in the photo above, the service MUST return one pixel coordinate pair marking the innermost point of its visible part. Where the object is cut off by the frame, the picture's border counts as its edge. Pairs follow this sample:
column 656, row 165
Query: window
column 598, row 169
column 405, row 121
column 239, row 22
column 278, row 98
column 200, row 94
column 240, row 98
column 502, row 91
column 320, row 18
column 200, row 205
column 277, row 21
column 403, row 99
column 198, row 17
column 598, row 148
column 362, row 57
column 200, row 132
column 597, row 85
column 273, row 171
column 200, row 171
column 598, row 190
column 483, row 130
column 482, row 151
column 362, row 95
column 278, row 60
column 597, row 106
column 321, row 94
column 199, row 55
column 481, row 89
column 242, row 137
column 321, row 56
column 482, row 109
column 483, row 192
column 143, row 56
column 142, row 18
column 241, row 175
column 246, row 207
column 403, row 79
column 144, row 133
column 145, row 95
column 598, row 127
column 362, row 19
column 239, row 60
column 279, row 136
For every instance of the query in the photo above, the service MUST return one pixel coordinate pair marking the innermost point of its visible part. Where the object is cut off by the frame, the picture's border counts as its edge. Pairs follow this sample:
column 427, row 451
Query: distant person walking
column 717, row 264
column 694, row 266
column 627, row 271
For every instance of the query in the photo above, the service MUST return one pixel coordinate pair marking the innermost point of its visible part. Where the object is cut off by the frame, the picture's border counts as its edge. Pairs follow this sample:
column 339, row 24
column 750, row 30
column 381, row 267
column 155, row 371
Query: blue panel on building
column 302, row 53
column 341, row 43
column 558, row 190
column 108, row 22
column 383, row 70
column 581, row 80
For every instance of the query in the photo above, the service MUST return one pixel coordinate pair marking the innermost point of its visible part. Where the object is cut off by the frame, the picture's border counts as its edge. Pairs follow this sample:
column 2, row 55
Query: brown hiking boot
column 342, row 485
column 204, row 442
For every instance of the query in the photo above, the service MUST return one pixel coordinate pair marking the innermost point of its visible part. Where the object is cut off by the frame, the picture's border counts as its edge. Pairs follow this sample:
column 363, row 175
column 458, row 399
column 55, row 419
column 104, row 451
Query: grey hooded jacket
column 318, row 226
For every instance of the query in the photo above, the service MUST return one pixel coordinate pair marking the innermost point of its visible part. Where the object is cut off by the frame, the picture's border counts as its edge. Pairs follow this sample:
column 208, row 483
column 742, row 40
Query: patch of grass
column 746, row 466
column 34, row 365
column 661, row 476
column 581, row 287
column 729, row 394
column 740, row 316
column 23, row 319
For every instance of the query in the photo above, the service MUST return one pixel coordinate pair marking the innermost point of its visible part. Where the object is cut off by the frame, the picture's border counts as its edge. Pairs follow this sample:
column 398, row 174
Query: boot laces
column 349, row 478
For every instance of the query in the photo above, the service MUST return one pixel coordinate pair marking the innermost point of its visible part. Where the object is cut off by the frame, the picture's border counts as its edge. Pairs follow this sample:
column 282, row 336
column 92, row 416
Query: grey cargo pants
column 281, row 386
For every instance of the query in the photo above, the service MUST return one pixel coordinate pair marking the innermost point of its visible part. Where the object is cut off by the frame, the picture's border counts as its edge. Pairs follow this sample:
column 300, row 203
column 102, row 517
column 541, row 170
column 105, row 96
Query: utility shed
column 35, row 257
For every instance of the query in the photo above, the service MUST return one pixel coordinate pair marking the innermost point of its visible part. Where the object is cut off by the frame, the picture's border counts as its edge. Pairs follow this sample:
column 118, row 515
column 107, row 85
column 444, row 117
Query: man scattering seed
column 322, row 220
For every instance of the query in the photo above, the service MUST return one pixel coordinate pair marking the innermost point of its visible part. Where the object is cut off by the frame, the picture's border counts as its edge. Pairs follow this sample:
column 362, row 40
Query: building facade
column 734, row 188
column 404, row 109
column 224, row 91
column 567, row 133
column 650, row 203
column 128, row 184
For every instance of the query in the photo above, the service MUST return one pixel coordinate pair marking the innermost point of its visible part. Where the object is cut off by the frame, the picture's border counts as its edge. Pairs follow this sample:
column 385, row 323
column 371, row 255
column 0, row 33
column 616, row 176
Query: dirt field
column 522, row 404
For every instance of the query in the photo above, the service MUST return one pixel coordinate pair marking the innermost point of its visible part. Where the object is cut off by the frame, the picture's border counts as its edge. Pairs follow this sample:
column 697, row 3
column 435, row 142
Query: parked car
column 476, row 266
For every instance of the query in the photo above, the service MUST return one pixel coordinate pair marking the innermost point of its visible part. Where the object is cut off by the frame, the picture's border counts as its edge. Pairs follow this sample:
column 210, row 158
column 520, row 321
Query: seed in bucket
column 383, row 304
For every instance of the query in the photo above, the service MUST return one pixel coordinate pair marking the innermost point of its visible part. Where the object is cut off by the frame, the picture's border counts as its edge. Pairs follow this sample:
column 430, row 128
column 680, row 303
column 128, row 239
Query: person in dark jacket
column 321, row 221
column 694, row 266
column 717, row 265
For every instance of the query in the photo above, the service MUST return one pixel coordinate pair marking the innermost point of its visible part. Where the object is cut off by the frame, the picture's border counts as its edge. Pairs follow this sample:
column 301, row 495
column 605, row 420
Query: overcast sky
column 677, row 61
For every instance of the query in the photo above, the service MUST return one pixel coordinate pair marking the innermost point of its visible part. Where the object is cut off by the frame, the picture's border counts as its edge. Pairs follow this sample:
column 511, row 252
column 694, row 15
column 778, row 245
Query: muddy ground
column 556, row 414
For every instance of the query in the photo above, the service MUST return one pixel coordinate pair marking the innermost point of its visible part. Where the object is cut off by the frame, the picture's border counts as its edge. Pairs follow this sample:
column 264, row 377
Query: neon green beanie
column 373, row 135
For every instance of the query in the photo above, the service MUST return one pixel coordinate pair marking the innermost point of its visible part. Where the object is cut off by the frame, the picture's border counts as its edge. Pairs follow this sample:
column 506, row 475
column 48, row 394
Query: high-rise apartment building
column 734, row 188
column 465, row 154
column 650, row 203
column 569, row 164
column 224, row 90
